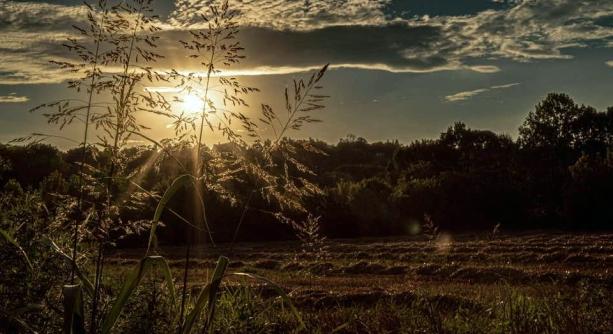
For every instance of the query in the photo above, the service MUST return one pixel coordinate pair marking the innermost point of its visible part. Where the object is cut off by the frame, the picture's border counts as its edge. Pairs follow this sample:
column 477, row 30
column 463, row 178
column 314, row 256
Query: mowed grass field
column 534, row 283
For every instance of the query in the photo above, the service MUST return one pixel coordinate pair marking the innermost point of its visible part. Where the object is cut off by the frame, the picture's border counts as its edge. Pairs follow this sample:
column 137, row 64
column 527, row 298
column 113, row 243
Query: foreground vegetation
column 434, row 283
column 533, row 283
column 63, row 235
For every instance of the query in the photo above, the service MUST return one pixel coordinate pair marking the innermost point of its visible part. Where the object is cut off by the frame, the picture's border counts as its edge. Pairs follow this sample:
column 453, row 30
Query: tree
column 593, row 131
column 32, row 163
column 559, row 124
column 477, row 149
column 587, row 197
column 551, row 124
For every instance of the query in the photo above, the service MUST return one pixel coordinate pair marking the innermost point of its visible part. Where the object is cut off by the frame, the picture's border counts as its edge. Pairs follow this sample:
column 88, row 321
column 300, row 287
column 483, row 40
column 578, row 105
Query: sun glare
column 192, row 103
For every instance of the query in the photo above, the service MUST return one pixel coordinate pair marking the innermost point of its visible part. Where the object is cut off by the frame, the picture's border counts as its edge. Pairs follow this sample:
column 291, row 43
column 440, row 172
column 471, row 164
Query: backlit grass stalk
column 217, row 47
column 95, row 68
column 120, row 108
column 214, row 46
column 89, row 74
column 300, row 102
column 120, row 122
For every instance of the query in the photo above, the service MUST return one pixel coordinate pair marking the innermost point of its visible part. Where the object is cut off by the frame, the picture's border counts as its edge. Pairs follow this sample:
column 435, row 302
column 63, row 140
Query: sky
column 400, row 69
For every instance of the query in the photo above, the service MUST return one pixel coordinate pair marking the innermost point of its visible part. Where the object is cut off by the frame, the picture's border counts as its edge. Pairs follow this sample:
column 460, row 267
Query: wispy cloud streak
column 13, row 98
column 462, row 96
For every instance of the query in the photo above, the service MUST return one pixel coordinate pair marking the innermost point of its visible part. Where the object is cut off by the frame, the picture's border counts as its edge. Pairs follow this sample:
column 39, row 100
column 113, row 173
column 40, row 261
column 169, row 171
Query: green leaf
column 73, row 309
column 279, row 290
column 131, row 283
column 208, row 295
column 87, row 285
column 6, row 236
column 170, row 191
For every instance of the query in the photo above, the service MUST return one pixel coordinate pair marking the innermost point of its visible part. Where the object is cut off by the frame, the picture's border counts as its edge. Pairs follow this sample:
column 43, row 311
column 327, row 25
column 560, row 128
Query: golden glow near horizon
column 192, row 103
column 187, row 101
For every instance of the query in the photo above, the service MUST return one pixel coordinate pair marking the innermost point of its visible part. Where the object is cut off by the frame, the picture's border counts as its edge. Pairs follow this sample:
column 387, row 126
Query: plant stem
column 197, row 175
column 119, row 114
column 75, row 240
column 206, row 96
column 97, row 281
column 291, row 116
column 152, row 304
column 240, row 221
column 185, row 277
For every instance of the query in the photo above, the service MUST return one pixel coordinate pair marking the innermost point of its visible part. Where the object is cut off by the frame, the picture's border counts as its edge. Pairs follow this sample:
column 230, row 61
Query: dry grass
column 473, row 285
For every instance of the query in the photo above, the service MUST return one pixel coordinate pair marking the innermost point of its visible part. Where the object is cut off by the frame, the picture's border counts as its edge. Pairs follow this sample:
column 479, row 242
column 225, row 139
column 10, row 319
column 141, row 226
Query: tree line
column 557, row 174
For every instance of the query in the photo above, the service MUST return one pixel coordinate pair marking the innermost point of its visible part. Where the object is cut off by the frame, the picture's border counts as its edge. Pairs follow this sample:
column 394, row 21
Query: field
column 533, row 283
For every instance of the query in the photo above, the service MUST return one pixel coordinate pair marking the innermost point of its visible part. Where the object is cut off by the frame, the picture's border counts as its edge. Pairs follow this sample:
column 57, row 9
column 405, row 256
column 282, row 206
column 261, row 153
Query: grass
column 125, row 31
column 406, row 287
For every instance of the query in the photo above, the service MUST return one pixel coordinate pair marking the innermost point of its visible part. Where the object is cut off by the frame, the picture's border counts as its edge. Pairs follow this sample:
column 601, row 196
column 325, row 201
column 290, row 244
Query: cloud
column 525, row 30
column 13, row 98
column 505, row 86
column 462, row 96
column 286, row 36
column 399, row 47
column 40, row 17
column 30, row 34
column 302, row 15
column 484, row 68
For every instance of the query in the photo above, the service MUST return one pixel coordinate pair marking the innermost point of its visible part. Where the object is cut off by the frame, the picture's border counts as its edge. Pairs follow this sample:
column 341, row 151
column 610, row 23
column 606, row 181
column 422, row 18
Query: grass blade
column 208, row 295
column 163, row 265
column 73, row 309
column 156, row 197
column 87, row 285
column 9, row 238
column 131, row 283
column 170, row 191
column 279, row 290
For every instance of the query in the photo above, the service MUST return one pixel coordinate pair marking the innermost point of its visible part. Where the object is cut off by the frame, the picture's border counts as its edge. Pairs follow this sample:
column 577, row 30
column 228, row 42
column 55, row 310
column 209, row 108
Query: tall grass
column 91, row 58
column 218, row 48
column 133, row 49
column 123, row 35
column 214, row 47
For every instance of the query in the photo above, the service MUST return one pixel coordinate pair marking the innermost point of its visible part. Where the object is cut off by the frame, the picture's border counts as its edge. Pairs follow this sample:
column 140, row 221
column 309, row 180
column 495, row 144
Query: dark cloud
column 392, row 45
column 396, row 47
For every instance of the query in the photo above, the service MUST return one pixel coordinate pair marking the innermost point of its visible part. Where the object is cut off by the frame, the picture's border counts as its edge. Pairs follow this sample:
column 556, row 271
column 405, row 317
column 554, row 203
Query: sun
column 192, row 103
